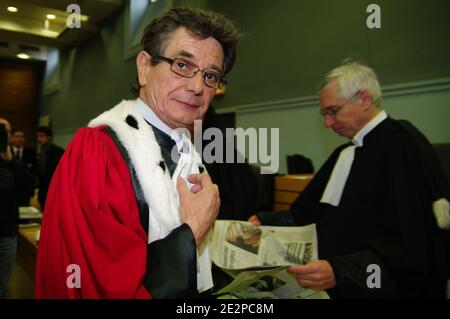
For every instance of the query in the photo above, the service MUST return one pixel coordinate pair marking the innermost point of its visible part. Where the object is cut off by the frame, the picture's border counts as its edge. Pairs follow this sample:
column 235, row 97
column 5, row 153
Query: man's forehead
column 330, row 89
column 195, row 47
column 201, row 49
column 329, row 95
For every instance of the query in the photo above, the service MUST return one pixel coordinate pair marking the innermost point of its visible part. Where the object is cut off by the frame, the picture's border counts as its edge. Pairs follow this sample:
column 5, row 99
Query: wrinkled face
column 175, row 99
column 42, row 138
column 348, row 116
column 18, row 139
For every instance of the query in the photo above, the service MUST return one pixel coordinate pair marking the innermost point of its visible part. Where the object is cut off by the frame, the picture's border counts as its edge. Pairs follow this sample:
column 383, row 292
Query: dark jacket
column 47, row 162
column 14, row 179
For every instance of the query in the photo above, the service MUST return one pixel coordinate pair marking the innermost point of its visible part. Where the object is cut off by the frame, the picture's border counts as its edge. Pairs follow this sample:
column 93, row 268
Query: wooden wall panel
column 19, row 93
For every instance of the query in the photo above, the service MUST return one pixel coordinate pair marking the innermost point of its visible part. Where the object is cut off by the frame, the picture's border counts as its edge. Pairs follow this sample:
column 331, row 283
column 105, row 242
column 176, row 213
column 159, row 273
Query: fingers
column 317, row 274
column 199, row 205
column 182, row 187
column 308, row 284
column 311, row 277
column 202, row 179
column 301, row 270
column 196, row 188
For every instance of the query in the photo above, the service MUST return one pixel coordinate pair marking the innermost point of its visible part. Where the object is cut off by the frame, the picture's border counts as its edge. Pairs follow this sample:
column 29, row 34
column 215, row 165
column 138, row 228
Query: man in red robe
column 120, row 220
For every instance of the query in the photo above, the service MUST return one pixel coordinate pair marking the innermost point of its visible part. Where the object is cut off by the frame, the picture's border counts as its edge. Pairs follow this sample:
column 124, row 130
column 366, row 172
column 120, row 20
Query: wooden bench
column 288, row 188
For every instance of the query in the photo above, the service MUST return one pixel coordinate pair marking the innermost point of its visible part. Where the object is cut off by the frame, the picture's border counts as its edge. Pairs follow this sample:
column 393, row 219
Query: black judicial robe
column 384, row 217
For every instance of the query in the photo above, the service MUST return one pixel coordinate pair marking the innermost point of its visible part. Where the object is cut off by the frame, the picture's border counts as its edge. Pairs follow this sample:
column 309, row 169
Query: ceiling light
column 51, row 16
column 23, row 56
column 12, row 9
column 153, row 1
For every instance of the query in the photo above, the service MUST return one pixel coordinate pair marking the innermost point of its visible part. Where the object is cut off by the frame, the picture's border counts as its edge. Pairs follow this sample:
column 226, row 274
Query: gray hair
column 353, row 77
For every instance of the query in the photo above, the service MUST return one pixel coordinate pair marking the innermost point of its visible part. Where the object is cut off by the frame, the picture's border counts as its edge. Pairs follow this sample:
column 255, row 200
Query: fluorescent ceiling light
column 23, row 56
column 51, row 16
column 12, row 9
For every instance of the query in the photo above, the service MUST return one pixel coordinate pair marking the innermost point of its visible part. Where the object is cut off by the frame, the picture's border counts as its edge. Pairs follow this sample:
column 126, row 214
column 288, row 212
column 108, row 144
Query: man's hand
column 198, row 208
column 317, row 275
column 254, row 220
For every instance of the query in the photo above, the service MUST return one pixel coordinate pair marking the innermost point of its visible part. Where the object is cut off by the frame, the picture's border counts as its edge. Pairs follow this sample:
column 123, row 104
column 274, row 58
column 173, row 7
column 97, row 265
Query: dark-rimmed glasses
column 187, row 69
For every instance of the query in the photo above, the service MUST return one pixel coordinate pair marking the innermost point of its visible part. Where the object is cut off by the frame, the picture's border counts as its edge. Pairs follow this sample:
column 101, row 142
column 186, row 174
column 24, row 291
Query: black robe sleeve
column 171, row 265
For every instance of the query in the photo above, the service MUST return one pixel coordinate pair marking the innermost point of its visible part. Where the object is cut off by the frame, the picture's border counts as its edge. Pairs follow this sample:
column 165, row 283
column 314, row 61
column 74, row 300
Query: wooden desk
column 27, row 249
column 288, row 188
column 22, row 278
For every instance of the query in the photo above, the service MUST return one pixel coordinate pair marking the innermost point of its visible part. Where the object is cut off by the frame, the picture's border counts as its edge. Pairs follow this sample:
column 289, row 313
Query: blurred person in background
column 48, row 159
column 14, row 180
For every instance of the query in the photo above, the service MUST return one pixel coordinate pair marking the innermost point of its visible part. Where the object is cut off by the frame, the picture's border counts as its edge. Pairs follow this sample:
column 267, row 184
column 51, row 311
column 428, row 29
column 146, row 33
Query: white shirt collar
column 150, row 116
column 358, row 138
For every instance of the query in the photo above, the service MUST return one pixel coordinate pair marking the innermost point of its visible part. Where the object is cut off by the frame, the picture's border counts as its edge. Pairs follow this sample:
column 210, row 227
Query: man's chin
column 342, row 133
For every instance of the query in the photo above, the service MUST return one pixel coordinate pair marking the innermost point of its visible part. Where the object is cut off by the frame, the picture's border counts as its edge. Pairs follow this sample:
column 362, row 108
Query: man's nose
column 328, row 120
column 196, row 83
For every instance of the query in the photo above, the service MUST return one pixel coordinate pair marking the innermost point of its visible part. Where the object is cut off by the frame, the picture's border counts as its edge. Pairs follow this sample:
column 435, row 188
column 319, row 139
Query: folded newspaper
column 257, row 258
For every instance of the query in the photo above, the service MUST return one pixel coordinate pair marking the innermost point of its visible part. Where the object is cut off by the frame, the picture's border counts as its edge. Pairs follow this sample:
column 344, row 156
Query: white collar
column 358, row 138
column 150, row 116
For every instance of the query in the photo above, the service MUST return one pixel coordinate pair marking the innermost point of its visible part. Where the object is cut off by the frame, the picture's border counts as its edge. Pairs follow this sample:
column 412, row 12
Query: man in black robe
column 372, row 200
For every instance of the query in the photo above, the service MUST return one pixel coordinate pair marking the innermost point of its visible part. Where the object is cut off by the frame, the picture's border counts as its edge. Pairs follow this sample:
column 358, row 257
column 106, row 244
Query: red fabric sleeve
column 91, row 220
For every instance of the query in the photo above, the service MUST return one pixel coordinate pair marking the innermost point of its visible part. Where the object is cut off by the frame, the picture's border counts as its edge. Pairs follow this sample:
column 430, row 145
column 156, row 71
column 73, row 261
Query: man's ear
column 366, row 98
column 143, row 67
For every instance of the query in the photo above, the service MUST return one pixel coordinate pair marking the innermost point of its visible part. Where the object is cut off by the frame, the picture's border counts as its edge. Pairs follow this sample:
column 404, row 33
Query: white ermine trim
column 145, row 155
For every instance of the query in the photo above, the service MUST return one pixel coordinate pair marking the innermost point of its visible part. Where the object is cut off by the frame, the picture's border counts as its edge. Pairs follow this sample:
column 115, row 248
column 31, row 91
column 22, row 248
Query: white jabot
column 335, row 186
column 188, row 163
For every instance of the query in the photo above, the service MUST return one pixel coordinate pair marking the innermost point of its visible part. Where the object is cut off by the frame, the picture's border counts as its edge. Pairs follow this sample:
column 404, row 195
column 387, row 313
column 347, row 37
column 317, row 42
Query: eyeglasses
column 334, row 109
column 188, row 69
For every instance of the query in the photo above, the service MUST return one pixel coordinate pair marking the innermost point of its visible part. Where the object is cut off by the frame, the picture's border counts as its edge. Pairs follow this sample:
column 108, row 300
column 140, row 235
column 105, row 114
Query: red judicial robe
column 91, row 219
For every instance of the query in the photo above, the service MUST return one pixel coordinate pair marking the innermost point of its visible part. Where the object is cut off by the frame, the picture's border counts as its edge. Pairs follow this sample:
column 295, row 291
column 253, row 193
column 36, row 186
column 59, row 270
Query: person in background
column 20, row 152
column 47, row 161
column 379, row 201
column 14, row 179
column 25, row 155
column 128, row 205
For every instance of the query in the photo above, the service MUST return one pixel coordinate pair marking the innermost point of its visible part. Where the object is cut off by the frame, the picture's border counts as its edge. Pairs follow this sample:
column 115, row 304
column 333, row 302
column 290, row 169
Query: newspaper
column 29, row 212
column 257, row 258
